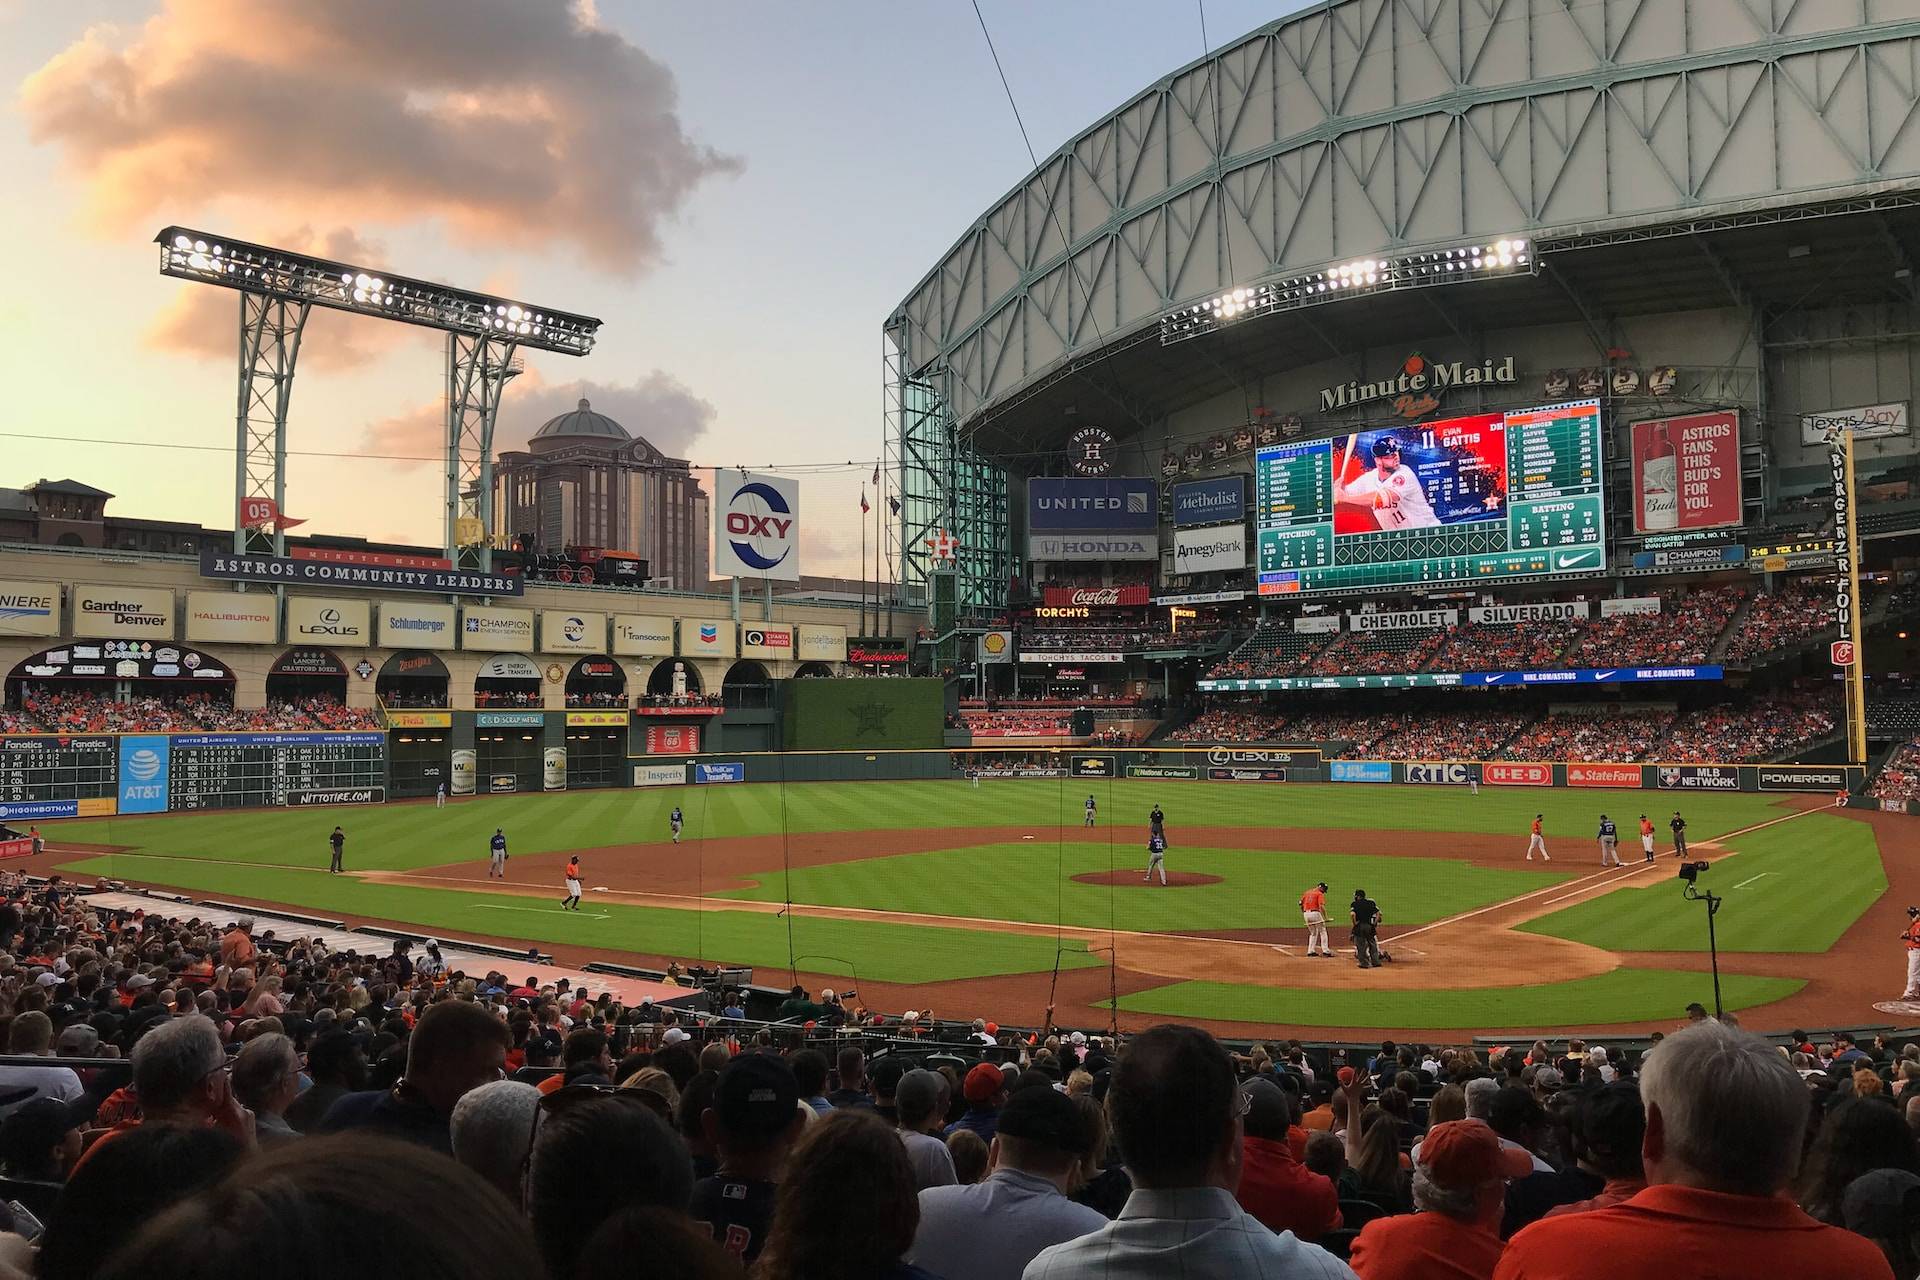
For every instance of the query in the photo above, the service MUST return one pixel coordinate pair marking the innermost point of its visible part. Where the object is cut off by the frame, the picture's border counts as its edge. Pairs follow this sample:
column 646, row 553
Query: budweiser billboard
column 1098, row 597
column 1503, row 774
column 1603, row 775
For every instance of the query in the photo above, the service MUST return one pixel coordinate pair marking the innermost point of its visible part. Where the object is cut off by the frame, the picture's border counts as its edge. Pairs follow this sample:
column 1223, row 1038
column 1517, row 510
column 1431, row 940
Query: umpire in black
column 1366, row 930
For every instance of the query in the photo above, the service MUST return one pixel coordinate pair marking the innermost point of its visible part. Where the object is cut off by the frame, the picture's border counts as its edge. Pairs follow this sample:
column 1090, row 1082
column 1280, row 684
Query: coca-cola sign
column 1098, row 597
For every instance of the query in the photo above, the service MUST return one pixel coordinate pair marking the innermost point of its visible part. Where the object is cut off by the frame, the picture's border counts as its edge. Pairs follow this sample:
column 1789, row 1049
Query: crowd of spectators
column 1685, row 630
column 1376, row 653
column 1527, row 646
column 1232, row 720
column 1016, row 724
column 242, row 1105
column 1274, row 649
column 597, row 699
column 66, row 711
column 1795, row 614
column 509, row 697
column 414, row 699
column 1457, row 735
column 1755, row 729
column 1622, row 734
column 1899, row 778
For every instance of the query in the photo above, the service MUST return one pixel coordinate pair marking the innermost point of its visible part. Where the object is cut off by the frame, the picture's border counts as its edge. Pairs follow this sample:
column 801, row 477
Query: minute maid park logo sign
column 1416, row 387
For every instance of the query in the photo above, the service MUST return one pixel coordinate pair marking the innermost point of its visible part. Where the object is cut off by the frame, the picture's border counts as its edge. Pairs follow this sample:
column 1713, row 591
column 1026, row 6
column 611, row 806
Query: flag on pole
column 864, row 508
column 876, row 473
column 893, row 505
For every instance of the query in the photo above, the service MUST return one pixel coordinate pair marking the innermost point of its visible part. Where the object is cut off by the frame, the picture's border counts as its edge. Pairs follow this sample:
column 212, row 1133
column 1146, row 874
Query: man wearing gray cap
column 993, row 1229
column 920, row 1101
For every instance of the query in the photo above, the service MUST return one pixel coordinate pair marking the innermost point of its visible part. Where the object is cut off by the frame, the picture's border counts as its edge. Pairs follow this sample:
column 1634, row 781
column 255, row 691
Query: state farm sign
column 1603, row 775
column 1098, row 597
column 1503, row 774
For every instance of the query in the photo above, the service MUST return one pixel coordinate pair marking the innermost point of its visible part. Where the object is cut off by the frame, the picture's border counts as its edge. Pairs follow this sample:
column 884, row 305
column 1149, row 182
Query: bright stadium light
column 300, row 278
column 1479, row 261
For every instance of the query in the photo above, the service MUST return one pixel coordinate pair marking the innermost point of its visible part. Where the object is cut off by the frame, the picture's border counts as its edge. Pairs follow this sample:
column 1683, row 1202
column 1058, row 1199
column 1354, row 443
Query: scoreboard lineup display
column 1459, row 500
column 249, row 770
column 59, row 770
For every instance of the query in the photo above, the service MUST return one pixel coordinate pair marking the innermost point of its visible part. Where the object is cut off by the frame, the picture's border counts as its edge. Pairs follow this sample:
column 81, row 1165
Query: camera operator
column 1912, row 938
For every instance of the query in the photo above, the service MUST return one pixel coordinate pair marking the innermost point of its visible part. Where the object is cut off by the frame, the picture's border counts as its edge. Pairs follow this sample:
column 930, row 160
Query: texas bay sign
column 1415, row 389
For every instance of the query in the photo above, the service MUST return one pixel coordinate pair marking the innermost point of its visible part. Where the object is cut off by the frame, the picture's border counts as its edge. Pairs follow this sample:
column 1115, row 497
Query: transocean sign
column 1415, row 389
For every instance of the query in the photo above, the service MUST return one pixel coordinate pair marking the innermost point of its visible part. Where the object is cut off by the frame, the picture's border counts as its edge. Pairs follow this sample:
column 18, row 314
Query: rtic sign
column 1098, row 597
column 1501, row 774
column 1443, row 774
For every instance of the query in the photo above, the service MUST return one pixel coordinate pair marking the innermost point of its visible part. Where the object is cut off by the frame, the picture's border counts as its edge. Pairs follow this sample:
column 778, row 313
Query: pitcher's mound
column 1175, row 879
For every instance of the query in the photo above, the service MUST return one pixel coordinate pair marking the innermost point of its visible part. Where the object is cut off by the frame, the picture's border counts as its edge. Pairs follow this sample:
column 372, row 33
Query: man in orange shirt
column 1313, row 909
column 1537, row 841
column 1646, row 837
column 572, row 901
column 1912, row 938
column 1725, row 1118
column 1274, row 1186
column 236, row 948
column 1459, row 1193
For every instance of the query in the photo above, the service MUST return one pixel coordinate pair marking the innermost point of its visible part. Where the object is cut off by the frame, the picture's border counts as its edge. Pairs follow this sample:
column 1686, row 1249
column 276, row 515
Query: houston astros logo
column 944, row 545
column 758, row 522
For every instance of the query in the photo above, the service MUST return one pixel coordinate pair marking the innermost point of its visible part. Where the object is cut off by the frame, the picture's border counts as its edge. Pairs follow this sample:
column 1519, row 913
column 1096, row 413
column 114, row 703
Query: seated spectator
column 1459, row 1194
column 266, row 1079
column 1726, row 1115
column 1100, row 1181
column 970, row 1155
column 1858, row 1136
column 847, row 1208
column 754, row 1123
column 851, row 1066
column 985, row 1090
column 337, row 1065
column 594, row 1154
column 1884, row 1207
column 40, row 1140
column 921, row 1102
column 1176, row 1111
column 122, row 1185
column 492, row 1133
column 455, row 1047
column 1608, row 1127
column 338, row 1207
column 31, row 1034
column 671, row 1245
column 992, row 1230
column 180, row 1077
column 1274, row 1186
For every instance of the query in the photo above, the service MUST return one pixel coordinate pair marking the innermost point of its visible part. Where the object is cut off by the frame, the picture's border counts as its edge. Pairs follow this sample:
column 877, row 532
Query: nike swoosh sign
column 1603, row 675
column 1574, row 559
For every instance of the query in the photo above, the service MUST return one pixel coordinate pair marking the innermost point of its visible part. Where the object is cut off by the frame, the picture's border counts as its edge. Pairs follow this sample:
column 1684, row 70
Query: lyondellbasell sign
column 1416, row 387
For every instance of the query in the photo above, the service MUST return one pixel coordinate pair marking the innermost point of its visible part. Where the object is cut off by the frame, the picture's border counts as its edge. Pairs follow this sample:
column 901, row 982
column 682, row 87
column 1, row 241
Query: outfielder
column 1646, row 837
column 1912, row 938
column 497, row 855
column 1313, row 910
column 440, row 795
column 1090, row 809
column 1156, row 857
column 1678, row 825
column 572, row 901
column 676, row 820
column 1537, row 841
column 1609, row 842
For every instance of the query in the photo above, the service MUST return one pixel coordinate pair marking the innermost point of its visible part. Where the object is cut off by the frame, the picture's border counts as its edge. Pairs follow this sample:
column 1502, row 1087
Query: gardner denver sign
column 1415, row 389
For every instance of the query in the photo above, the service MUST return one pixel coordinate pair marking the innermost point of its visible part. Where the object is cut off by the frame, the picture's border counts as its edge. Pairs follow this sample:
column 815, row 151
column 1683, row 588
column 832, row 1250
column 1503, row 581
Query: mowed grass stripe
column 403, row 836
column 863, row 950
column 1034, row 882
column 1620, row 996
column 1806, row 882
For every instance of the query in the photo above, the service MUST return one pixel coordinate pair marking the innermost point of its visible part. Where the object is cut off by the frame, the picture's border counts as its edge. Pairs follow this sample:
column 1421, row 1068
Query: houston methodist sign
column 756, row 526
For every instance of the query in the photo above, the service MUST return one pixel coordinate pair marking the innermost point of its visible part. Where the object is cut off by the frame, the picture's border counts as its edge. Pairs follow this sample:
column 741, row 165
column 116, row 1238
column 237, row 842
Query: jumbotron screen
column 1473, row 499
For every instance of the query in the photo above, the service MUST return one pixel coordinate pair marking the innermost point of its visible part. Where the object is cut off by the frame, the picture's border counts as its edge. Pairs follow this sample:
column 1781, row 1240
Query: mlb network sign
column 1087, row 503
column 756, row 521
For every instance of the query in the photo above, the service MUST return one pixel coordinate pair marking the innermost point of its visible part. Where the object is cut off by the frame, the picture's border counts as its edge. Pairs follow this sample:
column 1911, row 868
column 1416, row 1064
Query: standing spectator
column 885, row 1079
column 1176, row 1111
column 236, row 947
column 992, row 1230
column 455, row 1048
column 266, row 1079
column 31, row 1035
column 754, row 1122
column 921, row 1100
column 852, row 1066
column 1274, row 1186
column 985, row 1090
column 1459, row 1193
column 1725, row 1119
column 847, row 1208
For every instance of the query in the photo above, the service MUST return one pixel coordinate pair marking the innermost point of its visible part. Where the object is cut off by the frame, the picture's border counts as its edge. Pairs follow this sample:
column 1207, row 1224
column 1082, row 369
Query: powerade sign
column 1214, row 501
column 1801, row 778
column 1361, row 771
column 1083, row 503
column 720, row 773
column 144, row 762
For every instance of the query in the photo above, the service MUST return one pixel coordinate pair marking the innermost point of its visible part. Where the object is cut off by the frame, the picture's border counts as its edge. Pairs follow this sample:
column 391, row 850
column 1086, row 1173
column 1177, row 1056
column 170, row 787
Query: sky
column 742, row 192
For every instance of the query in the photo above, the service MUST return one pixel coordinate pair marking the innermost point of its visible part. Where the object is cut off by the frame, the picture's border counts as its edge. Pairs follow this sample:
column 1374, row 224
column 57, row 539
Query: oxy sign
column 756, row 526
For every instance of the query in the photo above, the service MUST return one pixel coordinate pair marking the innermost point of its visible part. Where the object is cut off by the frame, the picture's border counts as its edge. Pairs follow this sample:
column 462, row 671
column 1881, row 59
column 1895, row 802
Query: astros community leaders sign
column 463, row 582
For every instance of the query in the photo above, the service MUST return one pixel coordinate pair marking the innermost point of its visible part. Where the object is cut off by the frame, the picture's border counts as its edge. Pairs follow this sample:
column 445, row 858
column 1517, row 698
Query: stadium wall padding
column 856, row 715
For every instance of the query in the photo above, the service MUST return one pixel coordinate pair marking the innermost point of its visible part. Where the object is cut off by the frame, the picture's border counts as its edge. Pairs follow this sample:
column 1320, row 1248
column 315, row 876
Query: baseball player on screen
column 1609, row 842
column 1537, row 841
column 1156, row 857
column 1313, row 910
column 1395, row 494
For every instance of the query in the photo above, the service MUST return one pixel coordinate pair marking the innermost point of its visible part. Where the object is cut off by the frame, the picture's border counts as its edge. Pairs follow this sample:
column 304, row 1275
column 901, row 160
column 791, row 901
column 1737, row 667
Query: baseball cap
column 33, row 1127
column 1882, row 1203
column 48, row 979
column 138, row 982
column 79, row 1039
column 1267, row 1112
column 983, row 1082
column 674, row 1035
column 1385, row 444
column 755, row 1097
column 1045, row 1116
column 1464, row 1153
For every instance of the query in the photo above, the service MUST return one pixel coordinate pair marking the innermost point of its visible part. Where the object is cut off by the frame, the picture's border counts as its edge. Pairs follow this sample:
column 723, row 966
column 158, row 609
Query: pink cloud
column 504, row 121
column 659, row 407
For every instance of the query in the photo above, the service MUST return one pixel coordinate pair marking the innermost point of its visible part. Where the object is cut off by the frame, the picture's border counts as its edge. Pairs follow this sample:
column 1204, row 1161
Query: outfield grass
column 1624, row 995
column 1793, row 887
column 860, row 949
column 1258, row 889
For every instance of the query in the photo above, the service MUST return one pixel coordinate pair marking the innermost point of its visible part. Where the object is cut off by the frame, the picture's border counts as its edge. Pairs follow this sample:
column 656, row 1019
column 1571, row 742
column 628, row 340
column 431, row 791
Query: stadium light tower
column 278, row 289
